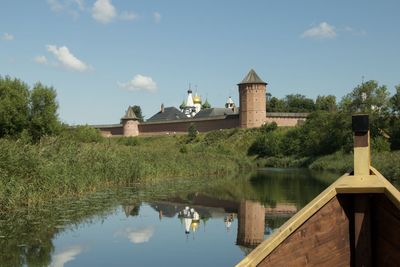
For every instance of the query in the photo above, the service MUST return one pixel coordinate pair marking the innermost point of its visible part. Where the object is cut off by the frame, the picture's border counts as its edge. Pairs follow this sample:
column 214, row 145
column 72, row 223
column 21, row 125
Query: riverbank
column 386, row 162
column 63, row 166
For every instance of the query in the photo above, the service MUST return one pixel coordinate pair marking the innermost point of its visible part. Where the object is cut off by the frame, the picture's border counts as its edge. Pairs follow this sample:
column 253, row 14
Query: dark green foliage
column 291, row 103
column 326, row 103
column 128, row 141
column 268, row 127
column 394, row 132
column 138, row 112
column 267, row 145
column 82, row 133
column 192, row 133
column 299, row 103
column 43, row 119
column 276, row 105
column 368, row 97
column 395, row 101
column 14, row 109
column 34, row 112
column 380, row 144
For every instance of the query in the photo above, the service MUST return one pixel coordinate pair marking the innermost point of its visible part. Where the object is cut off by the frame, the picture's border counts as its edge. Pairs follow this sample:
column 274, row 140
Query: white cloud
column 55, row 5
column 355, row 31
column 71, row 7
column 141, row 235
column 103, row 11
column 140, row 82
column 67, row 59
column 322, row 31
column 128, row 16
column 7, row 37
column 157, row 17
column 65, row 256
column 40, row 59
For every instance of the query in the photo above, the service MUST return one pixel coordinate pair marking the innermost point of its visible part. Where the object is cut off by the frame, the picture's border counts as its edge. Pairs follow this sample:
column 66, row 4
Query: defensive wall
column 252, row 114
column 202, row 125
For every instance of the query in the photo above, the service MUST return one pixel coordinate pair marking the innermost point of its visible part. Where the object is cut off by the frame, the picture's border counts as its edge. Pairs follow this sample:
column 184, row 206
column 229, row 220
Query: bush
column 192, row 133
column 128, row 141
column 84, row 134
column 380, row 144
column 267, row 145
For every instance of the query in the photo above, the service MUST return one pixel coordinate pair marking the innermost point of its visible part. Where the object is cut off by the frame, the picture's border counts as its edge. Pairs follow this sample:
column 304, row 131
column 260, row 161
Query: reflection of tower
column 251, row 216
column 252, row 100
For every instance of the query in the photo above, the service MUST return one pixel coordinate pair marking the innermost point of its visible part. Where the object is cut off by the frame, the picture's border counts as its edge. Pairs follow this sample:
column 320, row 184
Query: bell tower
column 252, row 100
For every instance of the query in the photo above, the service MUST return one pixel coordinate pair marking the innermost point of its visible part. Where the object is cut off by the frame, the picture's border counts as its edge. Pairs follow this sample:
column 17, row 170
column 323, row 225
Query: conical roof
column 252, row 77
column 130, row 114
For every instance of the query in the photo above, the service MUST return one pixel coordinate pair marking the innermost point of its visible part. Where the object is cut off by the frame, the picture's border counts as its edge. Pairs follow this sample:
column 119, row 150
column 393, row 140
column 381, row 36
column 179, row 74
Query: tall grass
column 31, row 174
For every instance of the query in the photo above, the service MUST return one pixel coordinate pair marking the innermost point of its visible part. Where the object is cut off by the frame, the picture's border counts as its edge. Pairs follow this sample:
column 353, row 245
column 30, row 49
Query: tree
column 138, row 112
column 14, row 109
column 327, row 103
column 299, row 103
column 395, row 100
column 368, row 97
column 43, row 112
column 192, row 133
column 276, row 105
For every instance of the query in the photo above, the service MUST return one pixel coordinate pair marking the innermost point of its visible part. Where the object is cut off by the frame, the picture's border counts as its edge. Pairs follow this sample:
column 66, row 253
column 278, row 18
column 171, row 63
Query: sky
column 103, row 55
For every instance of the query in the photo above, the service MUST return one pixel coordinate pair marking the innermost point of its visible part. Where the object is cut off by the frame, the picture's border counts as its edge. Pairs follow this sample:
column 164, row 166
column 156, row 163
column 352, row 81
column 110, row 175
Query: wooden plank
column 362, row 230
column 386, row 232
column 323, row 240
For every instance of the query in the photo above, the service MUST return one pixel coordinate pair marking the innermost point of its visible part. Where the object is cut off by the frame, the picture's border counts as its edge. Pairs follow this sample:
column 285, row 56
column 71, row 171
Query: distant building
column 251, row 113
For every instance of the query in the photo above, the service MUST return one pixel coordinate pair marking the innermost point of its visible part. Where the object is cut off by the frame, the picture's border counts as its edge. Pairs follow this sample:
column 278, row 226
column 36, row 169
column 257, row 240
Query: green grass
column 58, row 167
column 387, row 163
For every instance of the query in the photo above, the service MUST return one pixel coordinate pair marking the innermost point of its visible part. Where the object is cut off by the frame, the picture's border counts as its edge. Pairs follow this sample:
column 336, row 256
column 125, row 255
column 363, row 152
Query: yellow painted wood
column 347, row 184
column 362, row 159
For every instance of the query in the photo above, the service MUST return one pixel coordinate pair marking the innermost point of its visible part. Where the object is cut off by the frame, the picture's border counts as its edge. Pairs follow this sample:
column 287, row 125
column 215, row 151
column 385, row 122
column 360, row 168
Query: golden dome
column 197, row 99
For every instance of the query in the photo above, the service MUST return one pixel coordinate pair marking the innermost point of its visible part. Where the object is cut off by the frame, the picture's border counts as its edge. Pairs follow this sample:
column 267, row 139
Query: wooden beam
column 362, row 231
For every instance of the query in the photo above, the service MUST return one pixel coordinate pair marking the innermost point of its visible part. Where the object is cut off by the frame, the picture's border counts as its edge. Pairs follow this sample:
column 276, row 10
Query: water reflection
column 225, row 219
column 66, row 255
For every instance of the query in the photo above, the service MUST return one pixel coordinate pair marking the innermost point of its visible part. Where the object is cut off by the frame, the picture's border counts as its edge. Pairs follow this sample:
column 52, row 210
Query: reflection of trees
column 27, row 234
column 273, row 186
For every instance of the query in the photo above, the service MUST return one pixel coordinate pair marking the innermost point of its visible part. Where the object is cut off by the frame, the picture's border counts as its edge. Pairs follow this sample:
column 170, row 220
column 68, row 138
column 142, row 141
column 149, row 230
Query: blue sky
column 104, row 55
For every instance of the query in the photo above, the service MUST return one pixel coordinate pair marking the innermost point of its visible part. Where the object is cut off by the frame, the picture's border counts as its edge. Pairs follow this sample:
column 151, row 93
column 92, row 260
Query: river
column 179, row 222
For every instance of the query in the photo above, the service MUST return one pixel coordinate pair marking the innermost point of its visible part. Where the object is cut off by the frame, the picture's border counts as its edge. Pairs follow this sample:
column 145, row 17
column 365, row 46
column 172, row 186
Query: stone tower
column 130, row 123
column 252, row 101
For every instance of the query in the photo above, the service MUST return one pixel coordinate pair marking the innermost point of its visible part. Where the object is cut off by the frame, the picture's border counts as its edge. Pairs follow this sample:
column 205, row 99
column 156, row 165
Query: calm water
column 149, row 226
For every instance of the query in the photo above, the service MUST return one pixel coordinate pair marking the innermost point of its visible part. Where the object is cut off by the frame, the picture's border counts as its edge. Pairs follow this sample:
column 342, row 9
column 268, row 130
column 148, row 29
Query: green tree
column 43, row 112
column 138, row 112
column 368, row 97
column 299, row 103
column 14, row 108
column 327, row 103
column 395, row 100
column 394, row 132
column 192, row 133
column 276, row 105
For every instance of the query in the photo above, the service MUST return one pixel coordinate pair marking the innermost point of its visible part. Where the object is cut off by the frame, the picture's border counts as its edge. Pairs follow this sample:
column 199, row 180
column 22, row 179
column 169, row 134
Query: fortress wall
column 182, row 126
column 285, row 121
column 202, row 125
column 110, row 131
